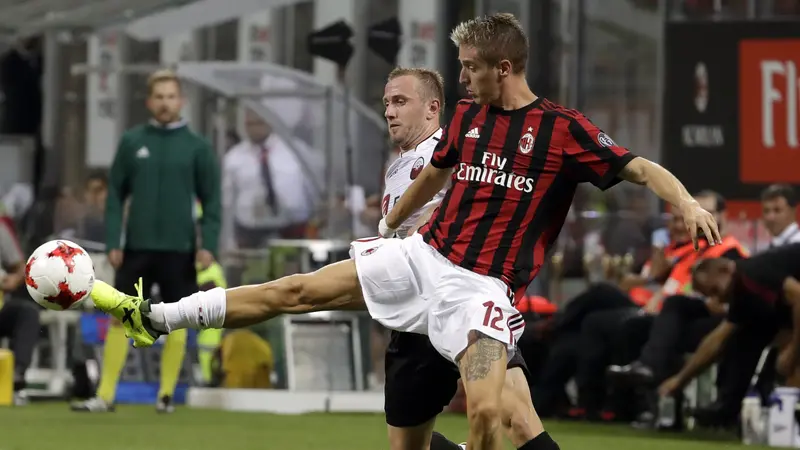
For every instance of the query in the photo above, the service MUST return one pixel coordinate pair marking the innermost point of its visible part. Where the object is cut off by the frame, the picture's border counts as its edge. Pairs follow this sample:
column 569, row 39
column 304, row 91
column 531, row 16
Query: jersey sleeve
column 592, row 156
column 445, row 155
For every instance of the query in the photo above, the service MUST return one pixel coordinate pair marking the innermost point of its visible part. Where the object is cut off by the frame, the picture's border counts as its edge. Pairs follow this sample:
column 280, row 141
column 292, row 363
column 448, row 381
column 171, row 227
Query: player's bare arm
column 670, row 189
column 707, row 352
column 429, row 182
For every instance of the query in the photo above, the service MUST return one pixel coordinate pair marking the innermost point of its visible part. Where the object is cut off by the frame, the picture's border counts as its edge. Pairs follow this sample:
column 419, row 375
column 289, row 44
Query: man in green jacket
column 161, row 168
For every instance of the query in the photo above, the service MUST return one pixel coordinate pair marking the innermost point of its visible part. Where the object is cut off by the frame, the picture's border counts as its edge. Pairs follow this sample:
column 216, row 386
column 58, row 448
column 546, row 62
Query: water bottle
column 754, row 421
column 666, row 412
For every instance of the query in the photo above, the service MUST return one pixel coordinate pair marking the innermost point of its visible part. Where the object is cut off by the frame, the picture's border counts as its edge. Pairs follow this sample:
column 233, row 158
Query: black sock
column 439, row 442
column 540, row 442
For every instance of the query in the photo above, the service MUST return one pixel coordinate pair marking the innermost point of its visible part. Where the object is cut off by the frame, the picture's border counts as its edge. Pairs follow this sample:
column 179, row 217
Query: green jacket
column 163, row 170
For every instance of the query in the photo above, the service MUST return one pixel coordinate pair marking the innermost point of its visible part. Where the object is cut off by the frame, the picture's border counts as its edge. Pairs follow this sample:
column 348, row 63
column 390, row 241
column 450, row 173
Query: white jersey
column 402, row 172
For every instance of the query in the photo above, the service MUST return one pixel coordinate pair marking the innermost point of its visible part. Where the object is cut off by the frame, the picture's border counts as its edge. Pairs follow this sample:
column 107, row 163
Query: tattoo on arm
column 478, row 363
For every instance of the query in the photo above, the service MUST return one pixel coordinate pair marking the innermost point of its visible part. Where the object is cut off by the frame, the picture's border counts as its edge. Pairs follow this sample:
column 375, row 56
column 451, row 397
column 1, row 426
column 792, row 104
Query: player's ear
column 434, row 109
column 504, row 67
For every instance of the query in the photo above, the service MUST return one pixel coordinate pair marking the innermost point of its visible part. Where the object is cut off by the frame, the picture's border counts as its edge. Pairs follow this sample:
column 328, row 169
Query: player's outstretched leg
column 483, row 373
column 333, row 287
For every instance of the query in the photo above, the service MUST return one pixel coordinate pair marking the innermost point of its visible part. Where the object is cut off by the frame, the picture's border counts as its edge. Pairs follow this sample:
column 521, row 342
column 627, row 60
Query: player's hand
column 205, row 258
column 115, row 258
column 384, row 230
column 670, row 386
column 700, row 223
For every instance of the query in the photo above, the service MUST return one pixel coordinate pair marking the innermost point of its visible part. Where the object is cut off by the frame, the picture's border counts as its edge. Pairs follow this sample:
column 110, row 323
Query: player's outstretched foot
column 165, row 405
column 128, row 310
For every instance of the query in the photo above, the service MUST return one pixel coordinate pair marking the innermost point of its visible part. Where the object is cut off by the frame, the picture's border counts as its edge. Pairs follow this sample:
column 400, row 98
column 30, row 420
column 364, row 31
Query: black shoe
column 716, row 415
column 633, row 373
column 165, row 405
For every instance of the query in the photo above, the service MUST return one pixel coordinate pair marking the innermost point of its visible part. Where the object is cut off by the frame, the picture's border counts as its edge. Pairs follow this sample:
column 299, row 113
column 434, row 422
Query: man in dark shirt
column 762, row 292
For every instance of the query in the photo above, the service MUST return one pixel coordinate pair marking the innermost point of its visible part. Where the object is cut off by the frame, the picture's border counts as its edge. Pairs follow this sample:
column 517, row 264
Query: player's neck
column 516, row 94
column 423, row 135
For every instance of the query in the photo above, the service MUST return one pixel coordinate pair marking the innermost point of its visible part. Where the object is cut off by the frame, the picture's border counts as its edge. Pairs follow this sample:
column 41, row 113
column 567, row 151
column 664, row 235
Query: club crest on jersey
column 417, row 167
column 370, row 251
column 526, row 142
column 605, row 141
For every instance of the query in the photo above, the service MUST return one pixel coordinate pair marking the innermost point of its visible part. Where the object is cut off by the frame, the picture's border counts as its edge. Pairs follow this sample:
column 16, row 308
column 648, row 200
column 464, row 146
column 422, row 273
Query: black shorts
column 419, row 381
column 173, row 272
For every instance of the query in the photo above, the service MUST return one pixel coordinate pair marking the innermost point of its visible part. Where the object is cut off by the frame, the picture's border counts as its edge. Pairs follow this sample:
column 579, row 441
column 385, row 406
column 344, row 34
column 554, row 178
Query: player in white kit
column 419, row 381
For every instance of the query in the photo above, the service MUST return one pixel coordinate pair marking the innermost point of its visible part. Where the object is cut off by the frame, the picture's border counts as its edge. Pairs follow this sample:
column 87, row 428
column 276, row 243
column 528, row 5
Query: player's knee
column 285, row 293
column 484, row 414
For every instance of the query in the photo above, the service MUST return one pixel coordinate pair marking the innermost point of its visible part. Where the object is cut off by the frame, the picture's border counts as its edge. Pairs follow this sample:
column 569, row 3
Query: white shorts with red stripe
column 408, row 286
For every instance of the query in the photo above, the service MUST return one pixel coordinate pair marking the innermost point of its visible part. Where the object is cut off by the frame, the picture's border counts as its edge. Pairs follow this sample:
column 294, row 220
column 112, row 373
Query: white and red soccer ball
column 59, row 275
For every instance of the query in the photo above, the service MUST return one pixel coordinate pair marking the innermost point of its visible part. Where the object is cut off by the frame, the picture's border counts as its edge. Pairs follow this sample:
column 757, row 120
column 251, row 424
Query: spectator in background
column 745, row 345
column 267, row 193
column 779, row 214
column 83, row 218
column 19, row 316
column 161, row 167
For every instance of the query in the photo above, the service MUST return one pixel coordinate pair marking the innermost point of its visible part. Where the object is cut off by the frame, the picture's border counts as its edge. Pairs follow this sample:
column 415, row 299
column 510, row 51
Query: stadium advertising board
column 731, row 105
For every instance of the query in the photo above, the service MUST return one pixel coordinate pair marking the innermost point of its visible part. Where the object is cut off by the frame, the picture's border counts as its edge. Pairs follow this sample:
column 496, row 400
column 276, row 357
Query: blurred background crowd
column 301, row 146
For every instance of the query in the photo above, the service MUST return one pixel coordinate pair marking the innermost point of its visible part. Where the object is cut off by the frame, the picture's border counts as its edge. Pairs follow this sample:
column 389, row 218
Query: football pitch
column 52, row 426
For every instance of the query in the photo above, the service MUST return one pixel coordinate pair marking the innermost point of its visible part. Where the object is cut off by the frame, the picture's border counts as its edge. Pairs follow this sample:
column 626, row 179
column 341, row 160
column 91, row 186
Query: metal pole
column 53, row 99
column 329, row 167
column 580, row 50
column 348, row 154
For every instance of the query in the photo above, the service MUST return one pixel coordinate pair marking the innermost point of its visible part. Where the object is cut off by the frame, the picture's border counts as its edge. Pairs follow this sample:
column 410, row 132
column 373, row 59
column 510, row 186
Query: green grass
column 53, row 426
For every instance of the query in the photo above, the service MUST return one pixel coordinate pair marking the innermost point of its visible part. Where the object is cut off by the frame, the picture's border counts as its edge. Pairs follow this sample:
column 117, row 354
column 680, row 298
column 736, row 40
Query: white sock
column 199, row 311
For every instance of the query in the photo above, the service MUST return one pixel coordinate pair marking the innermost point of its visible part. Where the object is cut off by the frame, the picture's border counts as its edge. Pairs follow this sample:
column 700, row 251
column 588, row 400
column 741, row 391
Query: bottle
column 666, row 412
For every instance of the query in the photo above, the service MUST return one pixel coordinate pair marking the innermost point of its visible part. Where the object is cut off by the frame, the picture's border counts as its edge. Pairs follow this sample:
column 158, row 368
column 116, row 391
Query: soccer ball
column 59, row 275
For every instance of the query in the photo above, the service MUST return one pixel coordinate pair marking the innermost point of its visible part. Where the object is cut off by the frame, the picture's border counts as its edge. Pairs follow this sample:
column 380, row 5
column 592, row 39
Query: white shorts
column 408, row 286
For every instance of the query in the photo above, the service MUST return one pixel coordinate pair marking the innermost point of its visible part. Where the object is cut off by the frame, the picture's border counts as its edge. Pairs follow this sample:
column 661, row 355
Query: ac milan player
column 419, row 381
column 515, row 160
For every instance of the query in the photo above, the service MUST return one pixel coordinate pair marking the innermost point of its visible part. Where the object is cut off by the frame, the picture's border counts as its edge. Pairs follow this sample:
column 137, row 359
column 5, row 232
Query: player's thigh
column 176, row 275
column 467, row 305
column 419, row 383
column 334, row 286
column 483, row 372
column 389, row 278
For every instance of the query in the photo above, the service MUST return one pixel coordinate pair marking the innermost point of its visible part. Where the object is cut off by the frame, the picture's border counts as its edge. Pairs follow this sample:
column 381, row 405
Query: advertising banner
column 731, row 105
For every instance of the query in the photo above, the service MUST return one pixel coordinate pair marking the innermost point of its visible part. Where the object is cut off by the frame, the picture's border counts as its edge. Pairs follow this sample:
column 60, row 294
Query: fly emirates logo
column 769, row 109
column 492, row 172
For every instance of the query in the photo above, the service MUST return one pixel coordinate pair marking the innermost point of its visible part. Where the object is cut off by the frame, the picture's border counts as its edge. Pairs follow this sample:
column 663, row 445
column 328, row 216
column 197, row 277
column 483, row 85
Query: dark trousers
column 566, row 352
column 678, row 329
column 603, row 332
column 598, row 297
column 737, row 366
column 19, row 322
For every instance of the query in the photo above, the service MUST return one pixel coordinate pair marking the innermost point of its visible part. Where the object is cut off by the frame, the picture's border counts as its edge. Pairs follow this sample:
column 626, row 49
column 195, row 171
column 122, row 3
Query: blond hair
column 161, row 76
column 496, row 37
column 430, row 81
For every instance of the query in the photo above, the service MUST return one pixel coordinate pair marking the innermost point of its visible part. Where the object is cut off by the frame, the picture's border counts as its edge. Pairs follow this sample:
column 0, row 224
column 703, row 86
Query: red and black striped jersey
column 515, row 174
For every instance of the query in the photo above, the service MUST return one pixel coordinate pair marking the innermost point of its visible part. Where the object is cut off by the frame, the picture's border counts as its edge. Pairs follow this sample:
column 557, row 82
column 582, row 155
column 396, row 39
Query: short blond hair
column 496, row 37
column 430, row 81
column 162, row 76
